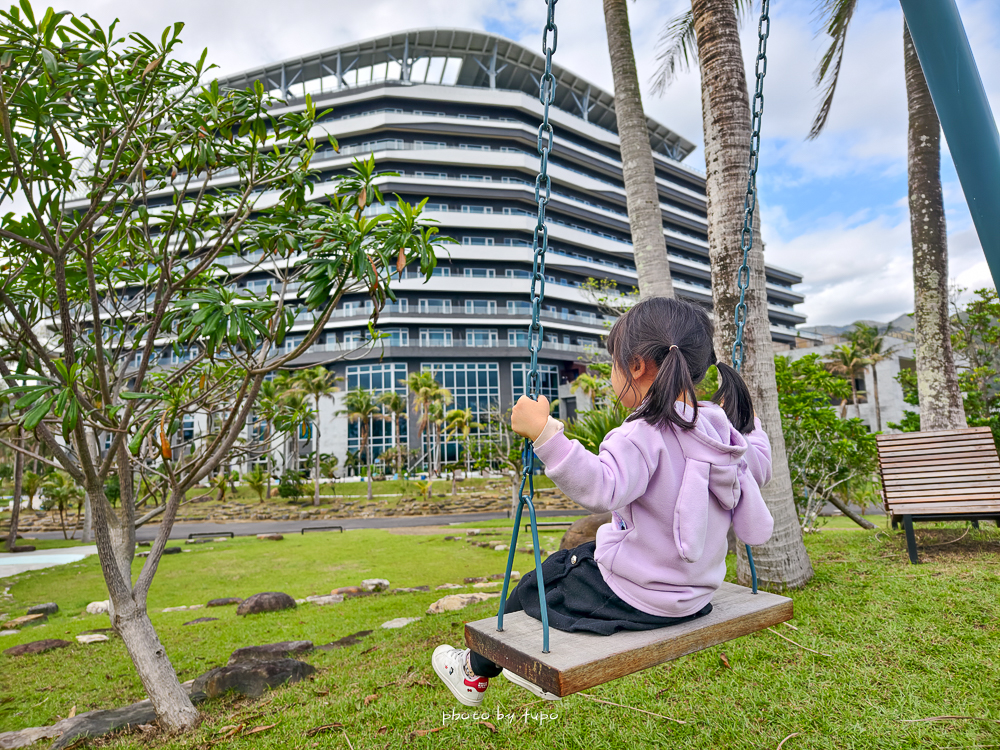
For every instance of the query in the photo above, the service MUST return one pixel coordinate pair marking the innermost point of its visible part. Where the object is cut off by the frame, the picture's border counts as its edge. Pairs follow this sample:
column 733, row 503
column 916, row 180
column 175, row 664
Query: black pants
column 578, row 601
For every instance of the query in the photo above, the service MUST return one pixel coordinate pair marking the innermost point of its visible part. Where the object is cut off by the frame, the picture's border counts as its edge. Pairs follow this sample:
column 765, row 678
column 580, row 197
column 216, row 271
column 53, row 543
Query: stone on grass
column 20, row 622
column 500, row 548
column 9, row 632
column 173, row 550
column 251, row 678
column 173, row 609
column 326, row 600
column 399, row 622
column 375, row 584
column 454, row 602
column 270, row 537
column 349, row 592
column 36, row 647
column 267, row 601
column 448, row 586
column 514, row 575
column 486, row 584
column 50, row 608
column 202, row 619
column 92, row 638
column 475, row 579
column 269, row 651
column 411, row 590
column 224, row 602
column 347, row 640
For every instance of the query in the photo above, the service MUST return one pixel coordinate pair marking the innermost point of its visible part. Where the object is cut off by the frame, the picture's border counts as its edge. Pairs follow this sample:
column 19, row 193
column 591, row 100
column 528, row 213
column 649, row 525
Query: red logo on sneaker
column 479, row 684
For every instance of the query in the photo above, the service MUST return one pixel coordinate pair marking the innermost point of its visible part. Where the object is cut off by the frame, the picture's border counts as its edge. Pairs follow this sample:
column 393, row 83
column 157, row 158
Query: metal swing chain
column 749, row 205
column 540, row 244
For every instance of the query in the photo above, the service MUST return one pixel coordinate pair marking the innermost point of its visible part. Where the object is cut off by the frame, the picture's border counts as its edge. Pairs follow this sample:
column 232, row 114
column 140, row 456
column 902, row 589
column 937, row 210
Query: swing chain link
column 750, row 201
column 540, row 239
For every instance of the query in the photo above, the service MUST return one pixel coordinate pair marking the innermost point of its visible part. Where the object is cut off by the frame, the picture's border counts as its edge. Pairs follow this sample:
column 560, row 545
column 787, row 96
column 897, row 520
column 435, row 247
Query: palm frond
column 676, row 50
column 835, row 18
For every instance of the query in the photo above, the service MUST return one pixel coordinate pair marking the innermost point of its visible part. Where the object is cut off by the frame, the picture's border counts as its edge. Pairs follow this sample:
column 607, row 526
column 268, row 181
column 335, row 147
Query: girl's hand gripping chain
column 528, row 417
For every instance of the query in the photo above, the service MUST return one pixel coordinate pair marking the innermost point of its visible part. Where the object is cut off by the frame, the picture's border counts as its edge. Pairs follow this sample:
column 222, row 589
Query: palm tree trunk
column 878, row 409
column 782, row 562
column 366, row 442
column 316, row 458
column 641, row 194
column 937, row 382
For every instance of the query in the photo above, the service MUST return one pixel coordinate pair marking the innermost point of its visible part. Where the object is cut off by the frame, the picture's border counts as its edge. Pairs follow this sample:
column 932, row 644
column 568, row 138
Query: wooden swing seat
column 577, row 661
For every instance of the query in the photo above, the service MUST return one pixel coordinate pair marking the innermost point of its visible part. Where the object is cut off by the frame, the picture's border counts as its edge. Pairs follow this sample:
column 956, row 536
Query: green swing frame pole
column 964, row 111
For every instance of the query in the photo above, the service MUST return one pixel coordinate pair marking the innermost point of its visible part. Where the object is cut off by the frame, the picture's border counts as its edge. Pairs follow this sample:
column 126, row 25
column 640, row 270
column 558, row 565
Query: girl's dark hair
column 676, row 337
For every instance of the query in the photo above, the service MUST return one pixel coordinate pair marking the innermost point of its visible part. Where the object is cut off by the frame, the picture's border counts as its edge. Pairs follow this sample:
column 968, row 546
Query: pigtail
column 734, row 398
column 672, row 382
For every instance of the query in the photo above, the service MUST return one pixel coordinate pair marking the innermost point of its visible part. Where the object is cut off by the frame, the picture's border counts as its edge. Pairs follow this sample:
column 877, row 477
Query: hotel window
column 435, row 305
column 486, row 241
column 435, row 337
column 548, row 380
column 480, row 307
column 480, row 273
column 477, row 337
column 379, row 379
column 395, row 336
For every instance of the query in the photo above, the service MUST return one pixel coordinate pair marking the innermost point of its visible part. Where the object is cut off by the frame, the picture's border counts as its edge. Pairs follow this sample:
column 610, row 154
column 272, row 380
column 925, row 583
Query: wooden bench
column 939, row 476
column 577, row 661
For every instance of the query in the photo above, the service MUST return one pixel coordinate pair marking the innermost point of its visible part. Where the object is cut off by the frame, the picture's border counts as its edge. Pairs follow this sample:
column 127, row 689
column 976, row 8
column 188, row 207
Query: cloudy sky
column 833, row 209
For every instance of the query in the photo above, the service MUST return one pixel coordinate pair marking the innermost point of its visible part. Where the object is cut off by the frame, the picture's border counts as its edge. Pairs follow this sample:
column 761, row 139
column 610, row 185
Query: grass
column 903, row 643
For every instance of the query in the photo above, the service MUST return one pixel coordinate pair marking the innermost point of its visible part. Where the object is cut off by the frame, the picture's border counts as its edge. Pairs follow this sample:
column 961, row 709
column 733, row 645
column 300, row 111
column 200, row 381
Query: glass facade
column 475, row 386
column 379, row 379
column 548, row 380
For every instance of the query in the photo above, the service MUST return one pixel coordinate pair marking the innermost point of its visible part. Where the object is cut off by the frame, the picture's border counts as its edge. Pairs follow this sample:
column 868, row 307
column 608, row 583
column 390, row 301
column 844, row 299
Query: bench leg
column 975, row 523
column 911, row 539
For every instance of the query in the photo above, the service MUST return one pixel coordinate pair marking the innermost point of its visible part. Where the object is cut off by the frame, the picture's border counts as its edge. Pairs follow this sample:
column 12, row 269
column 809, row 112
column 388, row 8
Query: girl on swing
column 676, row 474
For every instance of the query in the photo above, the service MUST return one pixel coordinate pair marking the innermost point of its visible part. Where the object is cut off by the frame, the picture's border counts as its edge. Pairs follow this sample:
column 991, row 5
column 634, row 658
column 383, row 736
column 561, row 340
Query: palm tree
column 940, row 399
column 595, row 389
column 294, row 412
column 426, row 393
column 436, row 421
column 460, row 423
column 268, row 404
column 709, row 35
column 641, row 194
column 61, row 489
column 316, row 382
column 870, row 341
column 848, row 360
column 395, row 404
column 362, row 407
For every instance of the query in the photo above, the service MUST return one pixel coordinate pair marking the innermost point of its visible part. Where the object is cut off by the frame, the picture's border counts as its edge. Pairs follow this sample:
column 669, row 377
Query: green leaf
column 34, row 417
column 133, row 396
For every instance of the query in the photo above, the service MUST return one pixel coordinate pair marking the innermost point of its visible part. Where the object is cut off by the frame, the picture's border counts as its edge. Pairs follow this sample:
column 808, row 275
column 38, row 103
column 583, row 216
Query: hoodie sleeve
column 758, row 455
column 752, row 521
column 610, row 480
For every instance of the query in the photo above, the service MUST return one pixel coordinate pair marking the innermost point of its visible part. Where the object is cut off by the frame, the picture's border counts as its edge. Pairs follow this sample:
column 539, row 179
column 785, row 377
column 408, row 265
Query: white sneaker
column 530, row 686
column 449, row 663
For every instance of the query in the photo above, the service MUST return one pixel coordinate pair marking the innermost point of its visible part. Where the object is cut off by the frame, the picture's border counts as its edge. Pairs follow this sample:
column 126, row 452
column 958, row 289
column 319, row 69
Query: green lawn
column 901, row 642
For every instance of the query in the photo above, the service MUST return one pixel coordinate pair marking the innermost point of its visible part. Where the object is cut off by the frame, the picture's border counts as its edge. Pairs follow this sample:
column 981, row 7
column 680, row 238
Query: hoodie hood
column 714, row 471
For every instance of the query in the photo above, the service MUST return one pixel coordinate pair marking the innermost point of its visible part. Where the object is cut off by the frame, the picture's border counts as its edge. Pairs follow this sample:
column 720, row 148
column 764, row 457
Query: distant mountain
column 902, row 323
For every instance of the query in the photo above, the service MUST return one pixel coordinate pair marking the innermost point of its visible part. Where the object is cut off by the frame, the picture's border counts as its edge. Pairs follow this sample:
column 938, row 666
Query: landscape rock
column 451, row 539
column 269, row 651
column 454, row 602
column 37, row 647
column 9, row 632
column 500, row 547
column 399, row 622
column 251, row 678
column 448, row 586
column 411, row 590
column 270, row 537
column 20, row 622
column 375, row 584
column 202, row 619
column 326, row 600
column 475, row 579
column 584, row 530
column 268, row 601
column 349, row 592
column 224, row 602
column 172, row 550
column 347, row 640
column 173, row 609
column 486, row 584
column 92, row 638
column 514, row 575
column 50, row 608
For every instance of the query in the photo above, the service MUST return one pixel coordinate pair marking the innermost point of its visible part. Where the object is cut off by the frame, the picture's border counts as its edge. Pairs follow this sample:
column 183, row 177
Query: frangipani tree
column 118, row 259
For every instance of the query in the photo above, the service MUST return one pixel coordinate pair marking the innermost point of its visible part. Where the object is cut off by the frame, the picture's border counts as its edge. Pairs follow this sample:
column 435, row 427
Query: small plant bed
column 880, row 655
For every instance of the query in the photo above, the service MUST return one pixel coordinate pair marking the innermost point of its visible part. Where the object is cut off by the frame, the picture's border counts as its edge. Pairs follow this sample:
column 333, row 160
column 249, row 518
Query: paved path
column 11, row 564
column 252, row 528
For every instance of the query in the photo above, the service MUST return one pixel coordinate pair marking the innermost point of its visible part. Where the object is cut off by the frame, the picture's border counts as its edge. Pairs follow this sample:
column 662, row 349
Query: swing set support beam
column 964, row 111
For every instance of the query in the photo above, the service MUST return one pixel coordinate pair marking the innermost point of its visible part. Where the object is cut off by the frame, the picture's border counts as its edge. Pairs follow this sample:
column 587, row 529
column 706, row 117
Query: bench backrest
column 930, row 473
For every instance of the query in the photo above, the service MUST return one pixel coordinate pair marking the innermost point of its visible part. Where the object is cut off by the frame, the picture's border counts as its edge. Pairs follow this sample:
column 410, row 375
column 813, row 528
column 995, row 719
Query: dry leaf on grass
column 368, row 651
column 488, row 725
column 424, row 732
column 382, row 729
column 369, row 699
column 724, row 659
column 264, row 728
column 324, row 728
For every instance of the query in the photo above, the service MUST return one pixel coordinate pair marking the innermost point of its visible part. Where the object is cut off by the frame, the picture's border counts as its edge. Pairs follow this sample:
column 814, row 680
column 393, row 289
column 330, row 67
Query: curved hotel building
column 455, row 115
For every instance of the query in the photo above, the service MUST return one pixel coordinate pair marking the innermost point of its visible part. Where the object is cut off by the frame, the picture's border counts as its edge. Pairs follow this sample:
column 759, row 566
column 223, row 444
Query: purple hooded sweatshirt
column 674, row 493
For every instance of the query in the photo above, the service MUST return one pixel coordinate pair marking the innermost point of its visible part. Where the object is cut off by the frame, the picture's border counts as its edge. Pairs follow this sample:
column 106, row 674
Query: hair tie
column 672, row 347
